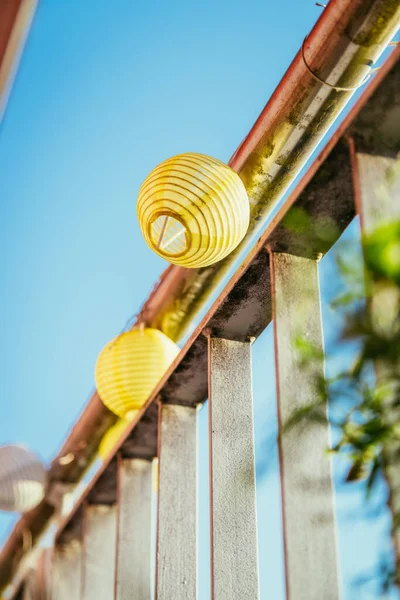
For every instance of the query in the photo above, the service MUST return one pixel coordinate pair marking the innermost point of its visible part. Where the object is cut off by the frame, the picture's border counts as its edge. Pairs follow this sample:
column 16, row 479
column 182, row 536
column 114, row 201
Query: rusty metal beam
column 242, row 308
column 15, row 20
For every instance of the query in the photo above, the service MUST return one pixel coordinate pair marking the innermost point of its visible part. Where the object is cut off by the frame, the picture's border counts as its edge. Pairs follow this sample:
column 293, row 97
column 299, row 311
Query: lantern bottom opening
column 169, row 235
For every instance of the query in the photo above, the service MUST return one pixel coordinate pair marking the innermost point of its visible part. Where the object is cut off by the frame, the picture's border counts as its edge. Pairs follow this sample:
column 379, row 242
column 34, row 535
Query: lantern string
column 27, row 544
column 334, row 87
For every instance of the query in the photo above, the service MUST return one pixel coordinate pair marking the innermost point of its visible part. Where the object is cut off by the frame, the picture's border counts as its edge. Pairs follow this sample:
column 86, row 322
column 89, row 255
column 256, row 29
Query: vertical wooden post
column 43, row 575
column 377, row 188
column 234, row 550
column 135, row 494
column 176, row 564
column 306, row 479
column 100, row 528
column 18, row 593
column 29, row 587
column 66, row 575
column 376, row 175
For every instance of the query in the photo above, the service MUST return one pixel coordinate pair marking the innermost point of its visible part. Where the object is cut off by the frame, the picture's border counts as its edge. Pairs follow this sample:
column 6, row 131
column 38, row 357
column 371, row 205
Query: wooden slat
column 135, row 487
column 176, row 564
column 377, row 191
column 18, row 593
column 43, row 575
column 66, row 573
column 234, row 564
column 306, row 480
column 29, row 587
column 99, row 552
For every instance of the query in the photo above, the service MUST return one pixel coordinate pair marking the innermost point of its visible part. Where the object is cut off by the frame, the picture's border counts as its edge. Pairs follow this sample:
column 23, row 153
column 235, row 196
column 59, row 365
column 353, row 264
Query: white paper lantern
column 22, row 479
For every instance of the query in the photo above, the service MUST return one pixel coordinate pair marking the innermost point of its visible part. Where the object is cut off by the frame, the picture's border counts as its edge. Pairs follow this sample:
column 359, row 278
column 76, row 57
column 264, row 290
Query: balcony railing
column 103, row 548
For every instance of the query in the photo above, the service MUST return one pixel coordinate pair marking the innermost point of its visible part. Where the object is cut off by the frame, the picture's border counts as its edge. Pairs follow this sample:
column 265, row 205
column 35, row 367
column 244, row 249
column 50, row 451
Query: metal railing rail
column 15, row 21
column 98, row 543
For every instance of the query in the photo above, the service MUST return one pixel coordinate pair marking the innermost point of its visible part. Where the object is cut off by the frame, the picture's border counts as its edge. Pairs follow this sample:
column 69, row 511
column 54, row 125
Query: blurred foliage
column 368, row 391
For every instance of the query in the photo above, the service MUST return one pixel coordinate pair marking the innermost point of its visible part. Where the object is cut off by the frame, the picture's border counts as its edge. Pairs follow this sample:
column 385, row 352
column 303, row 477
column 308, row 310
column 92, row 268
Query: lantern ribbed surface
column 22, row 479
column 111, row 437
column 130, row 366
column 193, row 210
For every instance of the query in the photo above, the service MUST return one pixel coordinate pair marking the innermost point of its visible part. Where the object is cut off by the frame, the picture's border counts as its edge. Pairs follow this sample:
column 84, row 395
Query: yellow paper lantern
column 112, row 436
column 193, row 210
column 130, row 366
column 22, row 479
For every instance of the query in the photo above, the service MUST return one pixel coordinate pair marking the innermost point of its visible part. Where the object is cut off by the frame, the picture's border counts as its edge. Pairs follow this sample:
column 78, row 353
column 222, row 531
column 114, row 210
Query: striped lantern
column 193, row 210
column 129, row 368
column 22, row 479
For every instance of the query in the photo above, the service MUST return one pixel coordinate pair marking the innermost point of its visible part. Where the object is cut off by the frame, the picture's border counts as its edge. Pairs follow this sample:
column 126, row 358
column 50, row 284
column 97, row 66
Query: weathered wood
column 30, row 587
column 66, row 575
column 377, row 191
column 100, row 530
column 43, row 575
column 135, row 487
column 176, row 564
column 18, row 593
column 234, row 549
column 306, row 479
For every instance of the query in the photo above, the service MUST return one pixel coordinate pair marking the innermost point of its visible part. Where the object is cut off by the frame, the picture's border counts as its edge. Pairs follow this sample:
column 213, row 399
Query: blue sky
column 103, row 94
